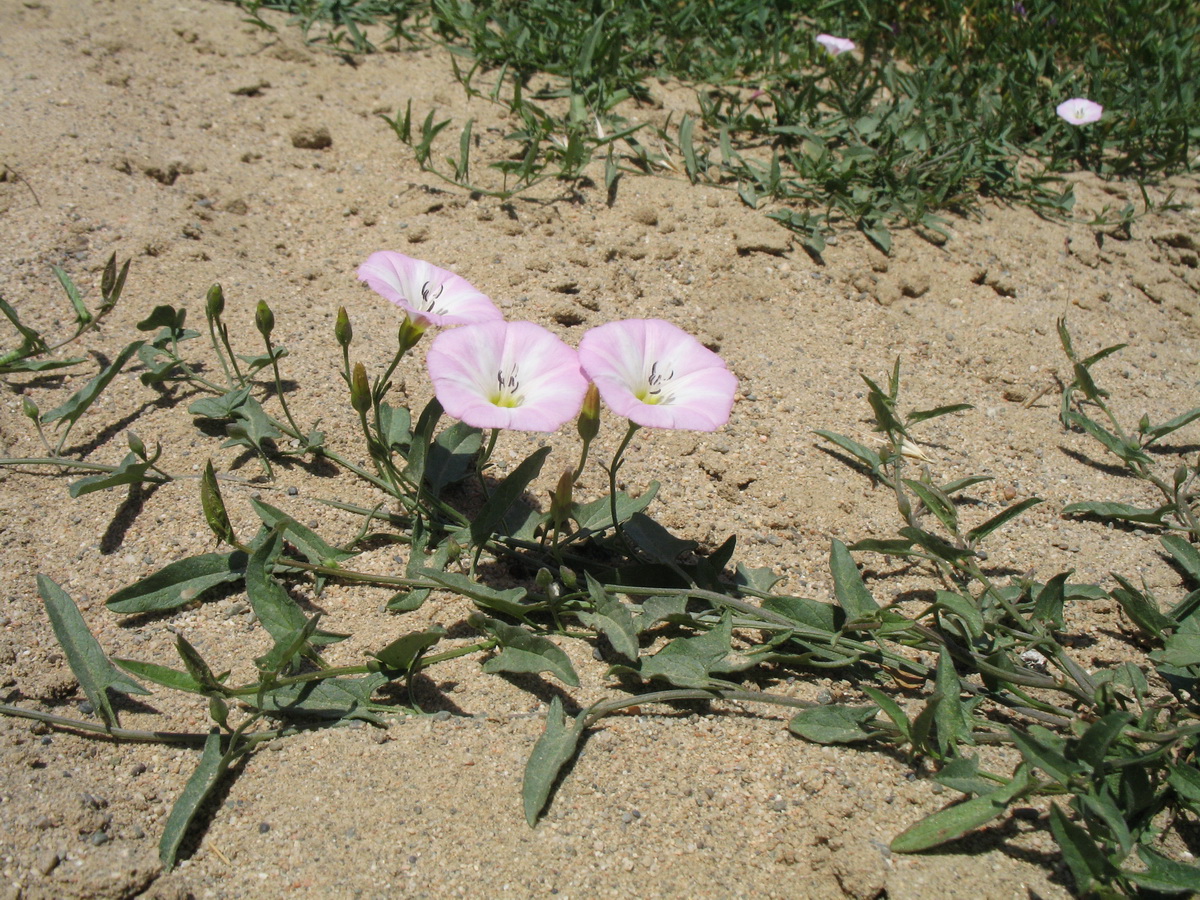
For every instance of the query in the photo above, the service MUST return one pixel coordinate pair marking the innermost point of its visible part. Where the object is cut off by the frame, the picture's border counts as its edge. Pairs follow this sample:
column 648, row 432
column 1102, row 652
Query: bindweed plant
column 976, row 663
column 868, row 115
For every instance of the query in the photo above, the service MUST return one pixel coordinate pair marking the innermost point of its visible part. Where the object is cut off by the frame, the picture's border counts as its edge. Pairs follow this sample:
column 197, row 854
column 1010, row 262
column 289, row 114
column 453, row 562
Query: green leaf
column 759, row 578
column 596, row 517
column 1045, row 755
column 1088, row 865
column 524, row 652
column 1185, row 779
column 1141, row 609
column 329, row 698
column 824, row 617
column 934, row 545
column 82, row 316
column 964, row 609
column 507, row 602
column 179, row 583
column 1123, row 512
column 834, row 724
column 953, row 822
column 272, row 604
column 79, row 402
column 688, row 661
column 959, row 484
column 672, row 608
column 131, row 470
column 554, row 749
column 311, row 545
column 612, row 618
column 251, row 427
column 505, row 495
column 924, row 414
column 1093, row 745
column 164, row 316
column 865, row 455
column 962, row 774
column 287, row 648
column 96, row 675
column 1048, row 605
column 1163, row 874
column 891, row 708
column 941, row 506
column 395, row 427
column 1160, row 431
column 451, row 457
column 401, row 653
column 1128, row 452
column 167, row 677
column 977, row 534
column 418, row 453
column 688, row 148
column 208, row 773
column 953, row 724
column 222, row 407
column 848, row 586
column 197, row 668
column 1181, row 650
column 1184, row 554
column 655, row 541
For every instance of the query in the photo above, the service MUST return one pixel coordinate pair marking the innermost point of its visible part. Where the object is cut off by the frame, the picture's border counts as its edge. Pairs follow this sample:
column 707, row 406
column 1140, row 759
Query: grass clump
column 942, row 104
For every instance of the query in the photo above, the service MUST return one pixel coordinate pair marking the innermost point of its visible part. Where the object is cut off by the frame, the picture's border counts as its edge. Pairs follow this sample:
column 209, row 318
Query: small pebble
column 264, row 827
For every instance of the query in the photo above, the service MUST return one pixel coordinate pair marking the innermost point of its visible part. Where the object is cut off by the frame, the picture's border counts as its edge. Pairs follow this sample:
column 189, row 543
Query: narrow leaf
column 131, row 470
column 85, row 656
column 79, row 402
column 179, row 583
column 208, row 772
column 834, row 724
column 524, row 652
column 953, row 822
column 612, row 618
column 404, row 651
column 977, row 534
column 554, row 749
column 848, row 586
column 505, row 495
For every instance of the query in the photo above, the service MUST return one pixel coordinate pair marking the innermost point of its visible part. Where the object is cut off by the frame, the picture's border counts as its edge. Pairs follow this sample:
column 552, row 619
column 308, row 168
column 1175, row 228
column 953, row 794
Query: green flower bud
column 589, row 416
column 360, row 390
column 216, row 302
column 342, row 329
column 568, row 577
column 544, row 578
column 135, row 444
column 264, row 319
column 410, row 333
column 560, row 498
column 29, row 408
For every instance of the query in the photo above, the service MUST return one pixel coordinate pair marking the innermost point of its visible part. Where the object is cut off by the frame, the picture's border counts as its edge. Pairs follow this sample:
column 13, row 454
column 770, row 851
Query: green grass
column 944, row 104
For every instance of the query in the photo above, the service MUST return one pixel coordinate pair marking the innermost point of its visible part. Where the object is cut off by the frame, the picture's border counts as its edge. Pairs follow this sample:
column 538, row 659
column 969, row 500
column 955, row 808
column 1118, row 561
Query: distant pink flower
column 514, row 375
column 429, row 295
column 835, row 45
column 1079, row 111
column 657, row 375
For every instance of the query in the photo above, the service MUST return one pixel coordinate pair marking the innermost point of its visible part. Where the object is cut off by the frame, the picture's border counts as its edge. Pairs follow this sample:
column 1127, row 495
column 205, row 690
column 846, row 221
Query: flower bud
column 342, row 329
column 1180, row 476
column 135, row 444
column 560, row 498
column 264, row 319
column 589, row 416
column 360, row 390
column 568, row 577
column 410, row 333
column 216, row 302
column 29, row 408
column 544, row 578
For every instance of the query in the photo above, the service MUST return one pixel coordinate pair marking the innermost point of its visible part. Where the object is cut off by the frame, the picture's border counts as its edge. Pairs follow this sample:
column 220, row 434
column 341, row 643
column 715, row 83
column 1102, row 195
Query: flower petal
column 657, row 375
column 1079, row 111
column 430, row 295
column 514, row 375
column 835, row 45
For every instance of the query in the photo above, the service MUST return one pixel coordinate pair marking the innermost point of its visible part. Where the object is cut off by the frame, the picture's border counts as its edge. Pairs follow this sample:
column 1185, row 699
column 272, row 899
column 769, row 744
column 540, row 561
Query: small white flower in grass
column 835, row 45
column 429, row 295
column 657, row 375
column 1079, row 111
column 514, row 375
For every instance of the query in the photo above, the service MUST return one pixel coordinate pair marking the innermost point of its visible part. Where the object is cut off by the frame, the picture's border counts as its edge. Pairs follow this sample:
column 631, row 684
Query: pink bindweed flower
column 514, row 375
column 429, row 295
column 657, row 375
column 835, row 45
column 1079, row 111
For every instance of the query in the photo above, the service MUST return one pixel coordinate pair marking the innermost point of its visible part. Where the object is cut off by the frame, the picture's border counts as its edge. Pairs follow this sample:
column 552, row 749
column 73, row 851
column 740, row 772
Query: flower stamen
column 428, row 303
column 508, row 389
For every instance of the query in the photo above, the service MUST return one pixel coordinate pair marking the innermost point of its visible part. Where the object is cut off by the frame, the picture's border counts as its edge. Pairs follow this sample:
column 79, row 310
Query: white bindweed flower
column 429, row 295
column 514, row 375
column 1079, row 111
column 657, row 375
column 835, row 45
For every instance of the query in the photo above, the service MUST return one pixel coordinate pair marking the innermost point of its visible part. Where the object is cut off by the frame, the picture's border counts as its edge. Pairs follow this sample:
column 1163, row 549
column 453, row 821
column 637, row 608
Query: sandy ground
column 166, row 132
